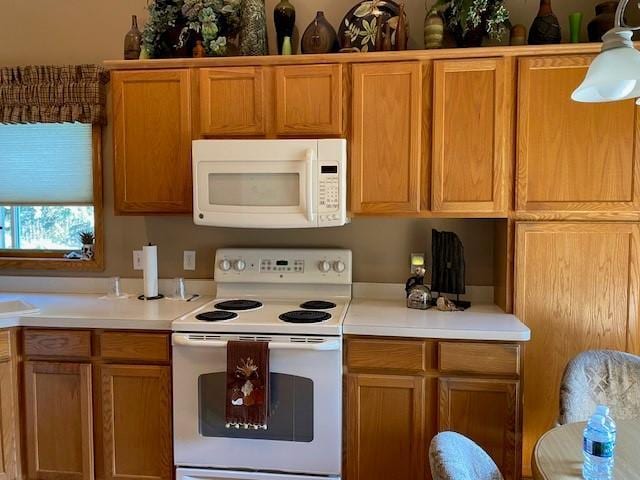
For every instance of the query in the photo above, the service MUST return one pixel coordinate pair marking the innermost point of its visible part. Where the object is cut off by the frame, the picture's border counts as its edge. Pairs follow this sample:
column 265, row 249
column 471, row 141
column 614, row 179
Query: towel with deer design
column 247, row 404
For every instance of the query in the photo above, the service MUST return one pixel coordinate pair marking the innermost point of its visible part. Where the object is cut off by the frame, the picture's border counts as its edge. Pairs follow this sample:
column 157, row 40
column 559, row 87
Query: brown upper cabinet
column 386, row 141
column 232, row 101
column 309, row 100
column 152, row 141
column 573, row 157
column 471, row 139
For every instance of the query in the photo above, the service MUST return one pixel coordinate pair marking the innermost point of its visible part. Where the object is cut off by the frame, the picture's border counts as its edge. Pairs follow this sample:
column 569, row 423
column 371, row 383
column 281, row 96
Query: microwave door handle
column 309, row 162
column 329, row 345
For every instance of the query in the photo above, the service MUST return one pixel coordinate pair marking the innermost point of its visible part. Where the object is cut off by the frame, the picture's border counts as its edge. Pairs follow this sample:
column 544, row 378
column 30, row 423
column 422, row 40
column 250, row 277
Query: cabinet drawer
column 57, row 343
column 391, row 355
column 150, row 347
column 481, row 358
column 5, row 345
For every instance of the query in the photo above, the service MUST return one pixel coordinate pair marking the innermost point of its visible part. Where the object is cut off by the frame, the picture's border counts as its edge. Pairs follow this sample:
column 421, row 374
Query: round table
column 558, row 453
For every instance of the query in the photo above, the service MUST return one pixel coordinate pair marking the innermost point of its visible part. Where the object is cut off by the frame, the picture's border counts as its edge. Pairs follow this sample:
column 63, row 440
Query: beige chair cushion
column 600, row 377
column 454, row 457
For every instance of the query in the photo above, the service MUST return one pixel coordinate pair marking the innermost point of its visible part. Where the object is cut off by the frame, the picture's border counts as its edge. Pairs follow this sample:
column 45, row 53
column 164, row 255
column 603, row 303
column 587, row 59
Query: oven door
column 254, row 184
column 305, row 421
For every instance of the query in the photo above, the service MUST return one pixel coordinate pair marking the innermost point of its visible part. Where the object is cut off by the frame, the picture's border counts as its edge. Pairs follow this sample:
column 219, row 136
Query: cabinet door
column 385, row 427
column 8, row 420
column 470, row 136
column 152, row 141
column 576, row 289
column 136, row 422
column 59, row 421
column 486, row 411
column 309, row 100
column 386, row 140
column 232, row 101
column 573, row 156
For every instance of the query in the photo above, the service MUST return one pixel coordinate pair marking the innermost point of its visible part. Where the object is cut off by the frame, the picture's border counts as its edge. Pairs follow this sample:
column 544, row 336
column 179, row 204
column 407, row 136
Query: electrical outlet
column 189, row 260
column 137, row 260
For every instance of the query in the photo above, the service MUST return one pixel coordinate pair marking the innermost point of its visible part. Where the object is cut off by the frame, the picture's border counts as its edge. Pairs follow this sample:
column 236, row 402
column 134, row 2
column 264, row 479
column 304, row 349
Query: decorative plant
column 465, row 17
column 87, row 238
column 163, row 16
column 215, row 21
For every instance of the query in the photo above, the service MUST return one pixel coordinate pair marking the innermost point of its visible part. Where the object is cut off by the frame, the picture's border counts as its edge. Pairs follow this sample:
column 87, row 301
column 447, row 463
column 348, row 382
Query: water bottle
column 598, row 447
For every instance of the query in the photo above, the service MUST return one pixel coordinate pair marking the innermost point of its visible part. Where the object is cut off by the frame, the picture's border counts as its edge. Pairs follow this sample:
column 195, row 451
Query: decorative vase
column 88, row 251
column 132, row 41
column 286, row 46
column 386, row 42
column 199, row 51
column 433, row 31
column 253, row 28
column 469, row 39
column 319, row 37
column 401, row 30
column 575, row 26
column 545, row 28
column 518, row 35
column 284, row 17
column 603, row 21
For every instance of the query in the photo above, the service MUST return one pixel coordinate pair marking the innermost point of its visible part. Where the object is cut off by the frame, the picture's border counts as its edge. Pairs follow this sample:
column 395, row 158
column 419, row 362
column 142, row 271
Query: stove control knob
column 225, row 265
column 339, row 266
column 324, row 266
column 239, row 265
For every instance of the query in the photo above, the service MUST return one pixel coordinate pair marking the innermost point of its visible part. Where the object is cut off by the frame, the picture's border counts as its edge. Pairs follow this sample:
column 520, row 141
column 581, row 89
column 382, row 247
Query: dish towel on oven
column 247, row 403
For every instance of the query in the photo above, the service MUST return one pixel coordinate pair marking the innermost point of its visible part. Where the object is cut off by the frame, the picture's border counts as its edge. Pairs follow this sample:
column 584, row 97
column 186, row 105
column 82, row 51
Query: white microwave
column 270, row 183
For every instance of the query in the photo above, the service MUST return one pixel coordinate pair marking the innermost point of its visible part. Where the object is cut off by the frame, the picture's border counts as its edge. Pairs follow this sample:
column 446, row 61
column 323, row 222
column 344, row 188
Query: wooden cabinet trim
column 5, row 345
column 479, row 358
column 285, row 126
column 256, row 124
column 524, row 203
column 57, row 343
column 35, row 449
column 134, row 346
column 362, row 126
column 499, row 143
column 121, row 142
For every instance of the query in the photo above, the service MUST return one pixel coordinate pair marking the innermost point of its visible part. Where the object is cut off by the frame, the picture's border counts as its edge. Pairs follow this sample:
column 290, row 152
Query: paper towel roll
column 150, row 270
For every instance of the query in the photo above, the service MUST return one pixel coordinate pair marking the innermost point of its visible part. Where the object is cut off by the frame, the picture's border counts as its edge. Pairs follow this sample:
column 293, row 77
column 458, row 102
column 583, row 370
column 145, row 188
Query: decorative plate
column 363, row 20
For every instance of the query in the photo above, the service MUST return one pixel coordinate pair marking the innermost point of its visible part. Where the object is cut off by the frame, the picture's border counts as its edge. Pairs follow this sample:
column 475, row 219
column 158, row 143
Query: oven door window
column 254, row 189
column 290, row 416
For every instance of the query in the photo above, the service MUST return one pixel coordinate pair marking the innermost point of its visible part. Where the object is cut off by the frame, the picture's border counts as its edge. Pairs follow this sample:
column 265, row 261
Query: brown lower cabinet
column 97, row 407
column 10, row 467
column 401, row 392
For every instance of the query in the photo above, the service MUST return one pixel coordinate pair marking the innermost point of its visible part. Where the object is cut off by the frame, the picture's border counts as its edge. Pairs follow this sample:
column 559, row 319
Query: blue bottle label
column 599, row 449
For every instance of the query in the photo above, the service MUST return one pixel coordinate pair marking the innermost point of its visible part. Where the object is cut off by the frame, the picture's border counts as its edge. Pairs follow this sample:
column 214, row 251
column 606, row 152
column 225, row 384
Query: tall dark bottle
column 133, row 41
column 284, row 17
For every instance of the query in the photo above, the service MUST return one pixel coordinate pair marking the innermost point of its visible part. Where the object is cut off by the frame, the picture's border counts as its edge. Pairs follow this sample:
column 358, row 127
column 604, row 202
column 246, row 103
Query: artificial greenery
column 214, row 21
column 465, row 16
column 87, row 238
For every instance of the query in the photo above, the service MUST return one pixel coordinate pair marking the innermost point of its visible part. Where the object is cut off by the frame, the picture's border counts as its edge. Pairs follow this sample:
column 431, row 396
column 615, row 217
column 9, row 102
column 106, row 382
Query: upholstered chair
column 600, row 377
column 454, row 457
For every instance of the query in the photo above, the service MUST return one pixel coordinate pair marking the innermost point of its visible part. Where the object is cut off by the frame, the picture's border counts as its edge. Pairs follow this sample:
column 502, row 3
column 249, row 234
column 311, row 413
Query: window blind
column 46, row 164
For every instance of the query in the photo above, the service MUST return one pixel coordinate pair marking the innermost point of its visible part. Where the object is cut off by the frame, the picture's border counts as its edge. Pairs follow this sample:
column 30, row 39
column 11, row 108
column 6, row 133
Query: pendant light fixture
column 615, row 73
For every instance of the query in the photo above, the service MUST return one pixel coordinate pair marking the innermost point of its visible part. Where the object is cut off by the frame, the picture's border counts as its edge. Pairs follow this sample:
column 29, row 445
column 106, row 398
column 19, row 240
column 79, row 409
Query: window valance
column 53, row 94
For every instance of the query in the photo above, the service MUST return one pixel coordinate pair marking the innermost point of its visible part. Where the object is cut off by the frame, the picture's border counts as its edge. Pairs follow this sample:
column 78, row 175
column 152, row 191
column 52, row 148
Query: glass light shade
column 613, row 75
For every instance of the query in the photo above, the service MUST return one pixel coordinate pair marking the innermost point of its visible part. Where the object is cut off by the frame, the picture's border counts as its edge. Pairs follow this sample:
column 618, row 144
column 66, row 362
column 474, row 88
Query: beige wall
column 78, row 31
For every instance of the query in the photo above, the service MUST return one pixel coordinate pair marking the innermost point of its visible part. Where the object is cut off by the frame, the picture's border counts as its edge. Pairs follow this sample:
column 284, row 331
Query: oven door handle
column 327, row 345
column 309, row 165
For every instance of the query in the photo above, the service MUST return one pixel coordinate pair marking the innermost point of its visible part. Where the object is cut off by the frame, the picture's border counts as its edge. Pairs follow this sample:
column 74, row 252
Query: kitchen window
column 50, row 193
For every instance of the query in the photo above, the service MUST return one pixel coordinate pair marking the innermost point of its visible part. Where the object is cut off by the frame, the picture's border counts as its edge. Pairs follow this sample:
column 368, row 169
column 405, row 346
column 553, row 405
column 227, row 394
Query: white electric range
column 295, row 299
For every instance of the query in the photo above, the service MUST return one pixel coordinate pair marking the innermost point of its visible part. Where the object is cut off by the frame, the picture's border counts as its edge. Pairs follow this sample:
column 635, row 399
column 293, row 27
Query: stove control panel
column 246, row 265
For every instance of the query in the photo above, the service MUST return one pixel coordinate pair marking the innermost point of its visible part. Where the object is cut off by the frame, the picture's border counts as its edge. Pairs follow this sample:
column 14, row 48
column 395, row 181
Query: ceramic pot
column 284, row 17
column 88, row 251
column 199, row 51
column 518, row 35
column 470, row 39
column 319, row 37
column 433, row 31
column 603, row 21
column 133, row 41
column 545, row 28
column 253, row 28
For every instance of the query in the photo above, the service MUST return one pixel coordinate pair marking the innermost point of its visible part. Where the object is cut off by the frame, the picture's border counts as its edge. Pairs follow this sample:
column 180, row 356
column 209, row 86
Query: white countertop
column 391, row 318
column 95, row 311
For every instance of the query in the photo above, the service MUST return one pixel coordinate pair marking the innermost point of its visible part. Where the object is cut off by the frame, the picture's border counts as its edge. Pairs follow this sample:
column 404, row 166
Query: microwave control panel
column 328, row 188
